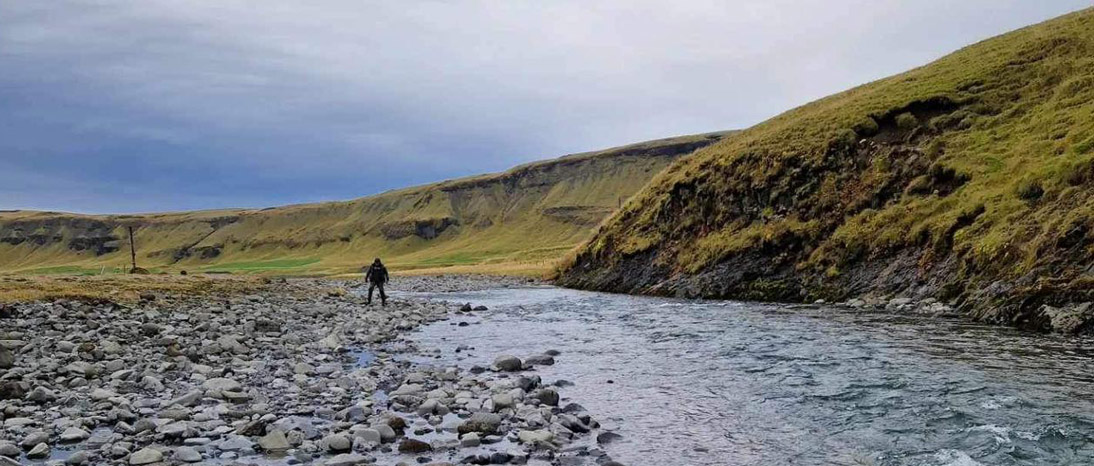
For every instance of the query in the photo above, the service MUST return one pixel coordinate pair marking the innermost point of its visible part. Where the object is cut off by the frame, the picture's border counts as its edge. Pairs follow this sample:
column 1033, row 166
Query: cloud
column 215, row 103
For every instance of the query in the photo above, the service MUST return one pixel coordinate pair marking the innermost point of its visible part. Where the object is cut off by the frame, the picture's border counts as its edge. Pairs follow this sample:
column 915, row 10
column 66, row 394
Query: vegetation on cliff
column 970, row 179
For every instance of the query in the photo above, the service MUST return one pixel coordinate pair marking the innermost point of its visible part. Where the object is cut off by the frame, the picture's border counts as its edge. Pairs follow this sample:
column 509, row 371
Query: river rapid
column 733, row 383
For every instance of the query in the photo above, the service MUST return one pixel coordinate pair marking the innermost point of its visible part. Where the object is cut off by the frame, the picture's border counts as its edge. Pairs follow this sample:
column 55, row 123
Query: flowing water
column 733, row 383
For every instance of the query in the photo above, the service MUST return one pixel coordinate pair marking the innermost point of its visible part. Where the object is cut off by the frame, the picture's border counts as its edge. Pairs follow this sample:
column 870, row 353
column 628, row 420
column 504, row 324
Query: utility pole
column 132, row 251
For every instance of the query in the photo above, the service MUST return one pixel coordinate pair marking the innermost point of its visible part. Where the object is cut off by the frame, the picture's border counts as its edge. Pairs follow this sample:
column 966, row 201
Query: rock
column 78, row 458
column 102, row 394
column 235, row 443
column 145, row 456
column 74, row 434
column 346, row 459
column 466, row 307
column 548, row 396
column 7, row 358
column 187, row 455
column 535, row 436
column 336, row 443
column 502, row 401
column 110, row 347
column 221, row 384
column 470, row 440
column 507, row 363
column 540, row 360
column 39, row 451
column 12, row 390
column 1069, row 319
column 483, row 423
column 34, row 438
column 387, row 434
column 605, row 438
column 899, row 303
column 276, row 441
column 41, row 395
column 9, row 449
column 371, row 436
column 414, row 446
column 190, row 399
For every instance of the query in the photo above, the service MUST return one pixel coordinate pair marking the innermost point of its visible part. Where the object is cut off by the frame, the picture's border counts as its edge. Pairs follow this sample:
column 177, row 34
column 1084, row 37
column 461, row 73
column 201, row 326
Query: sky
column 160, row 105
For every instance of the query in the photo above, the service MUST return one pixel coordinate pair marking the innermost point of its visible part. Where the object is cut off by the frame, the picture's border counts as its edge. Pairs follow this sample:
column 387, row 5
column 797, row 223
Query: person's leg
column 383, row 296
column 371, row 286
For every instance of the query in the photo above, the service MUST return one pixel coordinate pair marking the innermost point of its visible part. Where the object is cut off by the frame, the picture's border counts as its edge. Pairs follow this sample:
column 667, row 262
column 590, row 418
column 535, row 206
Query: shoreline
column 303, row 370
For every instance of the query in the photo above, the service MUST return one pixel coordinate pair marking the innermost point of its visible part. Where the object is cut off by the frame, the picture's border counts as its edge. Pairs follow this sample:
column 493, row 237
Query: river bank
column 301, row 372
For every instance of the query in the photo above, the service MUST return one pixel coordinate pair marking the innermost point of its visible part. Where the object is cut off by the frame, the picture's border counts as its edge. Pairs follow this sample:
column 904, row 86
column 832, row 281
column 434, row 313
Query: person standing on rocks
column 376, row 276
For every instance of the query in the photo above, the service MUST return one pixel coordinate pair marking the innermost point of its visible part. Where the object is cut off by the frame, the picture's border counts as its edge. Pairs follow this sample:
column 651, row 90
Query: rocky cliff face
column 967, row 180
column 534, row 212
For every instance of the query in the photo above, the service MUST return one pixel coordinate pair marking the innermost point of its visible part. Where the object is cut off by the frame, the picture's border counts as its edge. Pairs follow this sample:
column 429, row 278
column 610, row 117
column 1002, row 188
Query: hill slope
column 519, row 220
column 970, row 179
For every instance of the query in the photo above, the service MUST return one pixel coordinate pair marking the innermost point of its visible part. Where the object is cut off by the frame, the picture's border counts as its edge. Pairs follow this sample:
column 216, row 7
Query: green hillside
column 970, row 179
column 519, row 221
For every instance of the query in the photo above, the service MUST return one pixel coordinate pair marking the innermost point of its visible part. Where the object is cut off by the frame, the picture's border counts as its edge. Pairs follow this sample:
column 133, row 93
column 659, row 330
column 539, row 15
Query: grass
column 262, row 266
column 502, row 221
column 982, row 158
column 121, row 288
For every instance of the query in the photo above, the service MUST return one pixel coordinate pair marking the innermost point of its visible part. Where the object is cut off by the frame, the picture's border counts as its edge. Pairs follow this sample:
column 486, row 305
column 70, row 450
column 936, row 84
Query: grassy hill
column 519, row 221
column 970, row 179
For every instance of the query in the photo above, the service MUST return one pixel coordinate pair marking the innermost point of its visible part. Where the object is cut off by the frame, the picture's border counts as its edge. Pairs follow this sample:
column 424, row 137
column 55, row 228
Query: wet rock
column 548, row 396
column 336, row 443
column 74, row 434
column 540, row 360
column 470, row 440
column 145, row 456
column 414, row 446
column 507, row 363
column 1069, row 319
column 78, row 458
column 605, row 438
column 39, row 451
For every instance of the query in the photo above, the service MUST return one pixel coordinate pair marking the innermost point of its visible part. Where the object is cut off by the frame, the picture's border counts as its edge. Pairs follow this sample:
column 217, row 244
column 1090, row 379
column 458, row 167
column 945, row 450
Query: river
column 733, row 383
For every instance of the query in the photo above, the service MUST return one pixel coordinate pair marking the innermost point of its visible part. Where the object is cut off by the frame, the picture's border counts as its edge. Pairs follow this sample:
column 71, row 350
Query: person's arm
column 387, row 277
column 368, row 274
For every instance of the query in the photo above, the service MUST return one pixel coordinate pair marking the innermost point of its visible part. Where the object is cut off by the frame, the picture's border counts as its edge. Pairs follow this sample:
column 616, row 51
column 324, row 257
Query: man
column 376, row 276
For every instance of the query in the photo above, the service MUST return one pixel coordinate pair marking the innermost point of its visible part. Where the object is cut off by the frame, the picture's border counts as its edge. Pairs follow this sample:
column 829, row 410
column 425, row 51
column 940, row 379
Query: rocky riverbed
column 305, row 374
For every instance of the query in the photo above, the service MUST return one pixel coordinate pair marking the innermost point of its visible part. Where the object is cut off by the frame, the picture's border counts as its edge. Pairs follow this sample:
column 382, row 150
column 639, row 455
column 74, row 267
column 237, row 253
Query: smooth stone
column 40, row 450
column 145, row 456
column 275, row 441
column 508, row 363
column 187, row 455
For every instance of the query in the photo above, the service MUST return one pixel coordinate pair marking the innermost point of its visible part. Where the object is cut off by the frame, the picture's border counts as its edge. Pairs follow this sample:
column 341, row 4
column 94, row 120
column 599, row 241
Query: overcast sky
column 147, row 105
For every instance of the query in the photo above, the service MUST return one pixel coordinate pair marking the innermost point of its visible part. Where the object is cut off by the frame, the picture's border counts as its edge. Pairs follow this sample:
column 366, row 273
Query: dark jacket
column 377, row 273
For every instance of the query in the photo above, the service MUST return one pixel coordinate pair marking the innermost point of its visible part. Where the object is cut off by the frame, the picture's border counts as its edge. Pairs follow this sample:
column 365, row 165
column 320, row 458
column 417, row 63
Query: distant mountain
column 969, row 180
column 519, row 221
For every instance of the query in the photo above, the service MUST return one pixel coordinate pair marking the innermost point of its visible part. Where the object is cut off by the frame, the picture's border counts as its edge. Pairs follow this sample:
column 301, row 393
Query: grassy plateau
column 517, row 222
